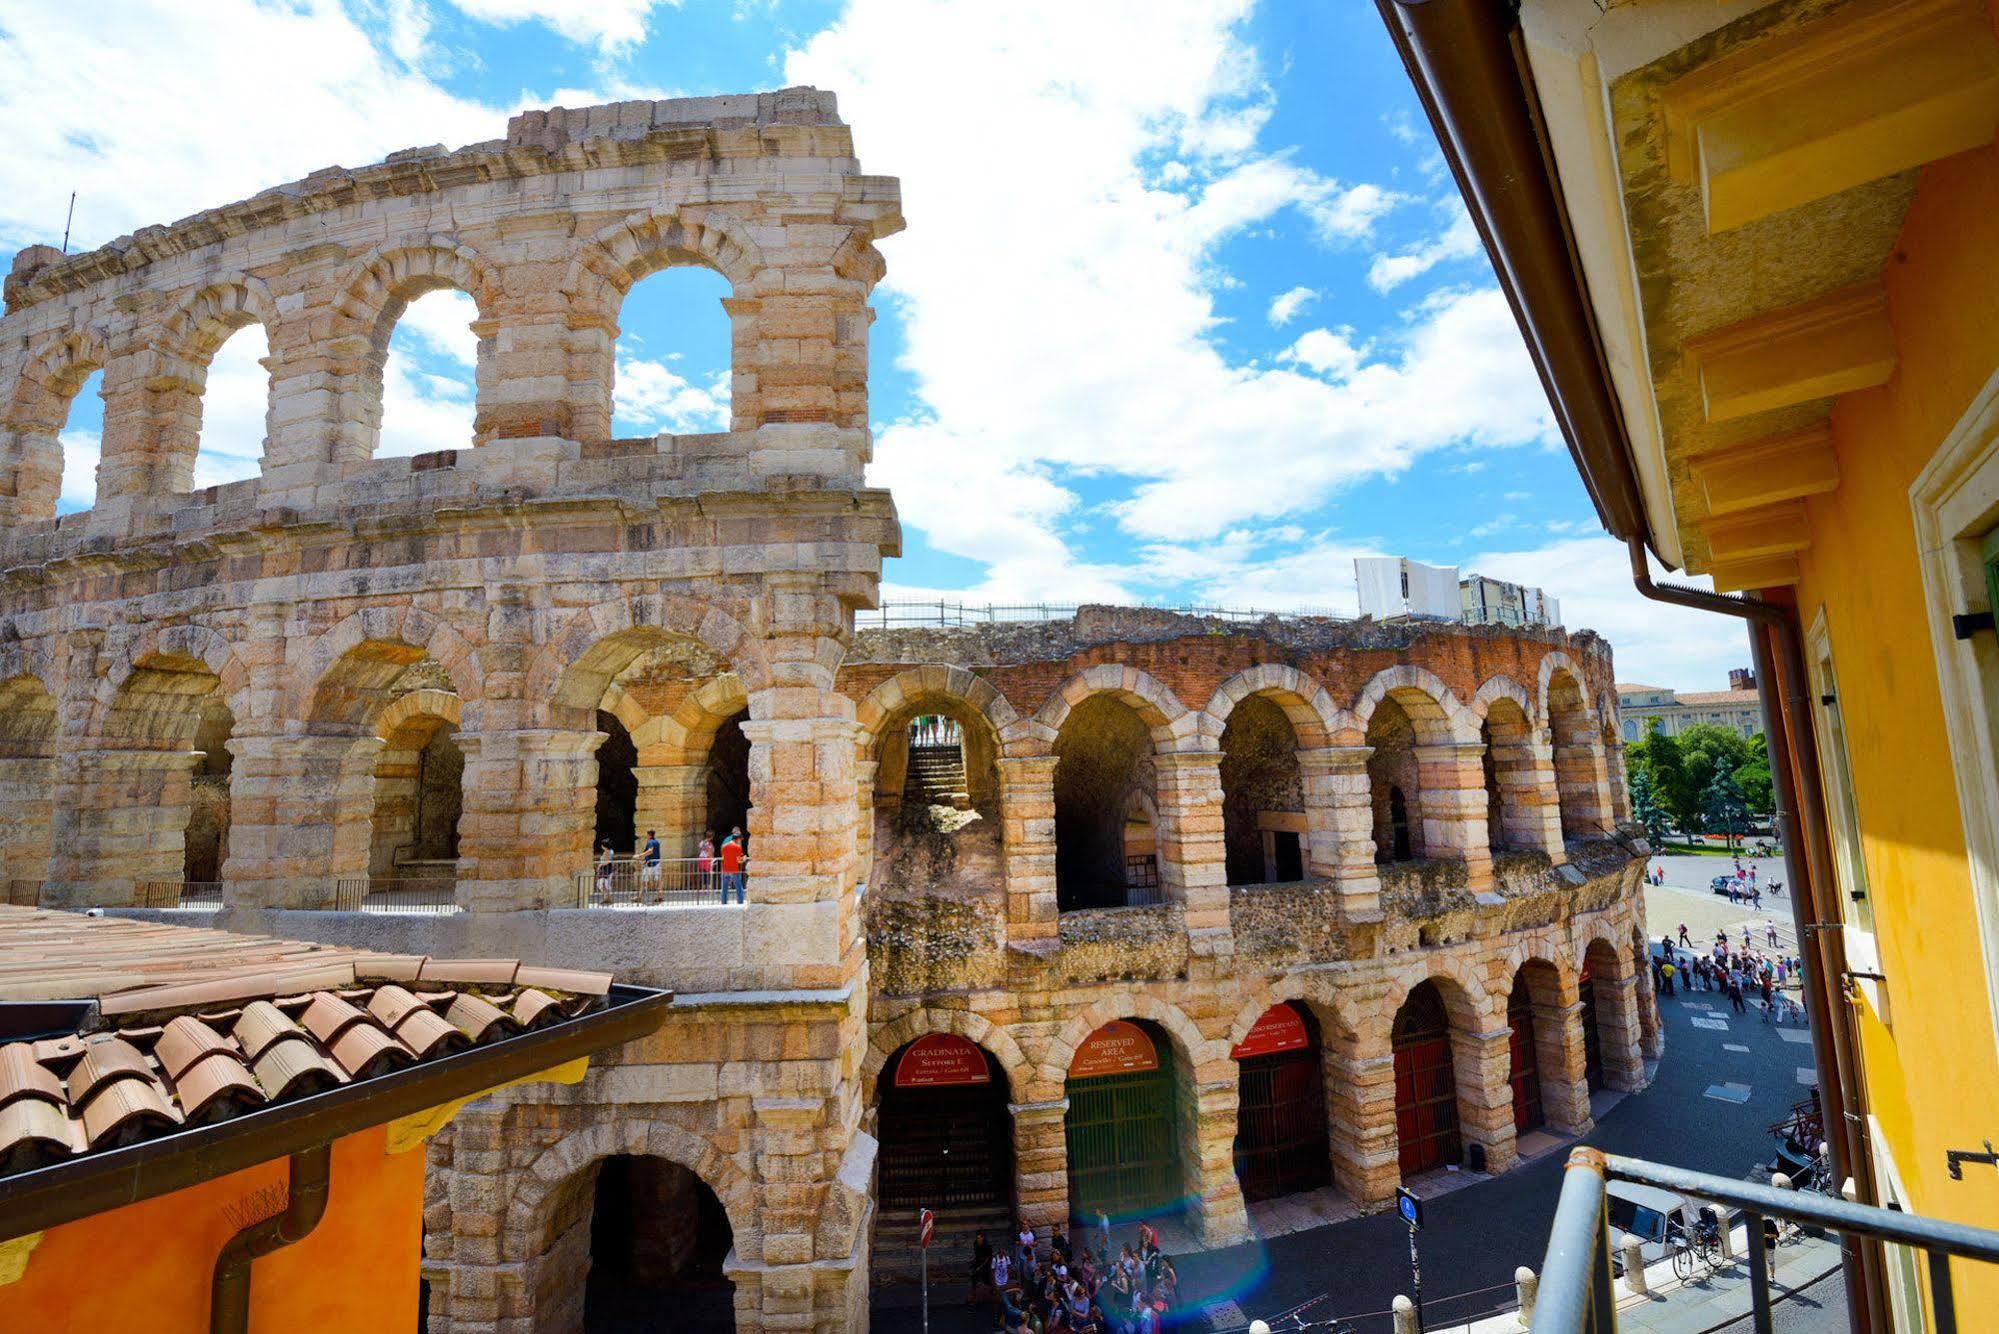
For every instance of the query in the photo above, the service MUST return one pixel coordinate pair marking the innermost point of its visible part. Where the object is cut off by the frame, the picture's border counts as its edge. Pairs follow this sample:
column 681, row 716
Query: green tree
column 1662, row 761
column 1753, row 777
column 1645, row 807
column 1723, row 808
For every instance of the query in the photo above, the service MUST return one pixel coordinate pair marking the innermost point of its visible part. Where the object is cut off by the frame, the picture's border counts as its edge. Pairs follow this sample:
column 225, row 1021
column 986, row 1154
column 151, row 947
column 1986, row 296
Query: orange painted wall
column 1933, row 1076
column 147, row 1267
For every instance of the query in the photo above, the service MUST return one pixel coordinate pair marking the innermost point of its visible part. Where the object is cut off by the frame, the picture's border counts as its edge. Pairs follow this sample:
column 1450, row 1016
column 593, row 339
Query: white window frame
column 1955, row 502
column 1836, row 775
column 1904, row 1282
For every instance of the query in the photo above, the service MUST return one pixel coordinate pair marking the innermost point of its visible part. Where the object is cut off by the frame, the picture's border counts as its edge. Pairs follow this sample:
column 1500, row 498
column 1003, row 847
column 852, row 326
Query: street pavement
column 1475, row 1237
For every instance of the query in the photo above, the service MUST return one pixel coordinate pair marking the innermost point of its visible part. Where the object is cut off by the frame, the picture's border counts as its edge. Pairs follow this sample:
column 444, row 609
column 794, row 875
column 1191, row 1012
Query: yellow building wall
column 1933, row 1075
column 147, row 1266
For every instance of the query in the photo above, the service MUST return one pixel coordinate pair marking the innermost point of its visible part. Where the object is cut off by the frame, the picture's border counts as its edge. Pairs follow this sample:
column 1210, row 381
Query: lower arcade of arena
column 1154, row 919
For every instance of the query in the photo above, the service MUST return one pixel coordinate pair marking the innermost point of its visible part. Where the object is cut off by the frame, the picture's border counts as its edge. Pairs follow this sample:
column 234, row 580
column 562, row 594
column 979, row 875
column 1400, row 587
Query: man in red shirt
column 732, row 865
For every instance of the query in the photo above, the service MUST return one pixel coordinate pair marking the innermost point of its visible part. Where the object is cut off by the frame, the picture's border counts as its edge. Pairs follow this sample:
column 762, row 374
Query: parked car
column 1652, row 1215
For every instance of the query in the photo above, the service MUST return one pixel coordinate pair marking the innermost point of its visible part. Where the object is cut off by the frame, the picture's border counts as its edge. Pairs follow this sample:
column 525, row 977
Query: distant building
column 1496, row 602
column 1735, row 708
column 1394, row 587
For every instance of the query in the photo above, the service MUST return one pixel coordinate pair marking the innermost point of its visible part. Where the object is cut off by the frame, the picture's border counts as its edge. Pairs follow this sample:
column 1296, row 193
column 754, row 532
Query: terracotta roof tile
column 216, row 1086
column 21, row 1075
column 414, row 1023
column 564, row 979
column 363, row 1051
column 33, row 1132
column 291, row 1067
column 478, row 1017
column 123, row 1110
column 261, row 1024
column 106, row 1061
column 489, row 972
column 531, row 1007
column 185, row 1041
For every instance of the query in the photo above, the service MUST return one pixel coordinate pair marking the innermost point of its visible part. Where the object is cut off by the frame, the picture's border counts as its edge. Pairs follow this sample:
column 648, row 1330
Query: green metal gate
column 1124, row 1144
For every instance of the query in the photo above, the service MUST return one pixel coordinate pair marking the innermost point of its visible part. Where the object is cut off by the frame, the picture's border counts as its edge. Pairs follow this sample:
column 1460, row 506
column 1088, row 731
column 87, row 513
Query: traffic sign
column 927, row 1223
column 1409, row 1206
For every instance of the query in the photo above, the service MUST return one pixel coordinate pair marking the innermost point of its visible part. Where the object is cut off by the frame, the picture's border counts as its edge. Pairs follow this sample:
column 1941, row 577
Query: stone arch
column 405, row 625
column 183, row 643
column 564, row 672
column 37, row 408
column 1192, row 1047
column 1467, row 998
column 177, row 373
column 604, row 268
column 889, row 1038
column 858, row 260
column 1430, row 704
column 692, row 725
column 418, row 703
column 207, row 315
column 607, row 1137
column 1500, row 687
column 1336, row 1020
column 1557, row 661
column 1173, row 726
column 1314, row 716
column 386, row 279
column 1580, row 754
column 937, row 680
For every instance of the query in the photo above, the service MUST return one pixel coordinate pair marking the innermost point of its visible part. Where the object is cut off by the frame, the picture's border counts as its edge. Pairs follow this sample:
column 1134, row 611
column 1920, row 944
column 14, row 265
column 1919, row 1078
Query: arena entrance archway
column 945, row 1134
column 1592, row 1037
column 1123, row 1123
column 658, row 1241
column 1280, row 1143
column 1525, row 1076
column 1426, row 1085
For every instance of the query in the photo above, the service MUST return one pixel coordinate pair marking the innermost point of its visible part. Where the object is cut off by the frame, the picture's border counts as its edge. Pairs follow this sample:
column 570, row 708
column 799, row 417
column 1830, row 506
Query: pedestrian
column 649, row 868
column 1684, row 941
column 1026, row 1241
column 704, row 860
column 732, row 865
column 1666, row 972
column 1002, row 1271
column 1756, row 898
column 1735, row 994
column 1104, row 1231
column 607, row 864
column 982, row 1270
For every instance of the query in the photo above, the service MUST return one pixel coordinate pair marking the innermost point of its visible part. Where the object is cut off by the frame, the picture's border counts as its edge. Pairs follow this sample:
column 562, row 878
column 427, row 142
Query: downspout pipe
column 1801, row 816
column 305, row 1205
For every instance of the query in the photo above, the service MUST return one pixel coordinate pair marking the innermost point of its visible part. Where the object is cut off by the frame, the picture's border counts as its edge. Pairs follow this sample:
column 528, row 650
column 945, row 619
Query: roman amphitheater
column 1124, row 911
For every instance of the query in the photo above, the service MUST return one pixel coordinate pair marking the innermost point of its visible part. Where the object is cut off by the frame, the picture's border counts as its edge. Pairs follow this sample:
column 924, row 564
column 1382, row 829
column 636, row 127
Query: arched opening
column 76, row 426
column 1106, row 814
column 230, row 407
column 936, row 799
column 1263, row 795
column 1510, row 781
column 1123, row 1126
column 658, row 1241
column 419, row 798
column 946, row 1144
column 425, row 374
column 617, row 786
column 1577, row 772
column 1281, row 1145
column 728, row 779
column 27, row 778
column 1598, row 976
column 674, row 356
column 1426, row 1086
column 1396, row 784
column 206, row 837
column 1524, row 1074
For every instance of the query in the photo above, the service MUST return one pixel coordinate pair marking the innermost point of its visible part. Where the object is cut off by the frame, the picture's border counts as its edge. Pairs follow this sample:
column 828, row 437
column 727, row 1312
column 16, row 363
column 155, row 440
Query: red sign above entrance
column 941, row 1060
column 1118, row 1048
column 1279, row 1028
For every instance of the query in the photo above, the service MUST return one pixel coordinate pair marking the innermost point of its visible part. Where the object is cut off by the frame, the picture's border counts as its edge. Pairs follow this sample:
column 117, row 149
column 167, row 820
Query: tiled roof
column 1710, row 697
column 191, row 1026
column 1630, row 688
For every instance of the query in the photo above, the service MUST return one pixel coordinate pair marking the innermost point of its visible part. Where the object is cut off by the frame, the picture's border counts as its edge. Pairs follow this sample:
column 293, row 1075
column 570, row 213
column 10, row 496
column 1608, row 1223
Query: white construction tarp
column 1433, row 591
column 1380, row 580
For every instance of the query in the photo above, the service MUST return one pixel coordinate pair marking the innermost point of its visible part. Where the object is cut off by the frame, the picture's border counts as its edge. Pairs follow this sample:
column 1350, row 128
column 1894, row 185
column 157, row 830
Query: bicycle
column 1702, row 1246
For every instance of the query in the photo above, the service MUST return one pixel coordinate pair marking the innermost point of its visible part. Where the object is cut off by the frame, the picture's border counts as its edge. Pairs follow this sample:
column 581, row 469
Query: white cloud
column 610, row 25
column 233, row 409
column 442, row 322
column 1288, row 304
column 1331, row 354
column 1591, row 576
column 651, row 399
column 1459, row 240
column 80, row 452
column 1063, row 330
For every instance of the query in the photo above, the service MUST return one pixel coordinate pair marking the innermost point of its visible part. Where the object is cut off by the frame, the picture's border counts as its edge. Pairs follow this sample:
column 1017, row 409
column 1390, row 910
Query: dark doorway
column 1106, row 853
column 946, row 1136
column 1401, row 847
column 617, row 786
column 658, row 1241
column 1280, row 1143
column 1426, row 1086
column 1526, row 1073
column 1592, row 1040
column 1123, row 1126
column 729, row 779
column 1288, row 852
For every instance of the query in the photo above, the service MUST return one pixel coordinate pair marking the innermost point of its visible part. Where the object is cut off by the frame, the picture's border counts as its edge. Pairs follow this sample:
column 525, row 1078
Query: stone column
column 1452, row 778
column 673, row 798
column 1209, row 1149
column 300, row 810
column 1618, row 1031
column 128, row 466
column 312, row 398
column 120, row 819
column 1041, row 1162
column 1483, row 1062
column 1193, row 865
column 546, row 357
column 1533, row 817
column 1560, row 1061
column 1360, row 1123
column 1618, row 779
column 530, row 807
column 27, row 781
column 1027, row 843
column 864, row 817
column 1583, row 777
column 801, row 362
column 1340, row 814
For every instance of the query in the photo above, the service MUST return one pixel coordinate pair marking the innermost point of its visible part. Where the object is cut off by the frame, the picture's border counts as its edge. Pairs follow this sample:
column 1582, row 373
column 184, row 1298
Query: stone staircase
column 937, row 777
column 897, row 1259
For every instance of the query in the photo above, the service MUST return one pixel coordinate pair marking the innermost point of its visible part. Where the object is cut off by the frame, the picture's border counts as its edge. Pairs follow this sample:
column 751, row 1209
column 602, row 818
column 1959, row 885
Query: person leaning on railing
column 732, row 858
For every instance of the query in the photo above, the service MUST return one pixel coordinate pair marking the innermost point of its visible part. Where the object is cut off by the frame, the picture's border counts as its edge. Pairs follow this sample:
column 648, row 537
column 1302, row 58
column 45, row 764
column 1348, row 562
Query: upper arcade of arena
column 546, row 230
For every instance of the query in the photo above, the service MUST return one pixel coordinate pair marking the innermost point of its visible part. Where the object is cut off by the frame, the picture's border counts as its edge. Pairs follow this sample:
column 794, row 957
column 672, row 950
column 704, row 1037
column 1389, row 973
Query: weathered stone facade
column 358, row 629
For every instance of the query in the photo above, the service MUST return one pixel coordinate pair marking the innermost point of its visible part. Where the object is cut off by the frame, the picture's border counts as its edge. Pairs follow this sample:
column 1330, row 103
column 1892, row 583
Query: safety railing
column 675, row 882
column 1577, row 1291
column 193, row 895
column 430, row 895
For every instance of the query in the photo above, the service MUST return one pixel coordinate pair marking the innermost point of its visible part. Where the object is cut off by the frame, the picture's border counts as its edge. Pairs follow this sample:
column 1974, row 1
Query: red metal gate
column 1526, row 1077
column 1426, row 1091
column 1592, row 1040
column 1280, row 1144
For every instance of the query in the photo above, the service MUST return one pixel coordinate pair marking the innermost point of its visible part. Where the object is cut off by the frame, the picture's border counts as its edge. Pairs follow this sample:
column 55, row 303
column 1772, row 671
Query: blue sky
column 1187, row 309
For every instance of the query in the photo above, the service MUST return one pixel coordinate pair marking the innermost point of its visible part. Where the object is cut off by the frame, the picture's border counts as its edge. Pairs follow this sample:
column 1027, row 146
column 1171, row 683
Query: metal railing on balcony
column 1578, row 1293
column 677, row 882
column 192, row 895
column 431, row 895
